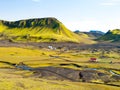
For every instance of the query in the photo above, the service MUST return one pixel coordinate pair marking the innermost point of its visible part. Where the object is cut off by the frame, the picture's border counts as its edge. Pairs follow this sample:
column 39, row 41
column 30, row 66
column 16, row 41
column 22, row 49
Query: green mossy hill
column 38, row 30
column 111, row 35
column 49, row 22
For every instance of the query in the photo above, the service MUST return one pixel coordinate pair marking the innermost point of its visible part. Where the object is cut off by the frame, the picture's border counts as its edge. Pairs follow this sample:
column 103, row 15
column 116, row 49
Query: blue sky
column 83, row 15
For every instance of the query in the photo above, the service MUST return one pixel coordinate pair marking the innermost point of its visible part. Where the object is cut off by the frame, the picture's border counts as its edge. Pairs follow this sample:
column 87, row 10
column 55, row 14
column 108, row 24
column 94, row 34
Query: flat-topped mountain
column 38, row 30
column 48, row 22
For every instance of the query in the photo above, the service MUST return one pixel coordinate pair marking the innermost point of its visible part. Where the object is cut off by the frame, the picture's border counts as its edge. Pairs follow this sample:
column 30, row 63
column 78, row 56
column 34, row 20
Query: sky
column 83, row 15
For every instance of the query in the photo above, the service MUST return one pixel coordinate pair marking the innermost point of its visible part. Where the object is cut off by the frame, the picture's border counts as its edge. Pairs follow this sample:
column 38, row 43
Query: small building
column 93, row 60
column 51, row 47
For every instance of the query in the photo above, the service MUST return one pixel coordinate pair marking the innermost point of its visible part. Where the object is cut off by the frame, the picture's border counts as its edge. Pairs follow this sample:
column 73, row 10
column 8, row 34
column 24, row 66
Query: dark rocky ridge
column 49, row 22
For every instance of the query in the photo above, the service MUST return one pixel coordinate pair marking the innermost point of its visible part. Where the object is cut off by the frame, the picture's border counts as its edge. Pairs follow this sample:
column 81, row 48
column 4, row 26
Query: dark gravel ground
column 60, row 45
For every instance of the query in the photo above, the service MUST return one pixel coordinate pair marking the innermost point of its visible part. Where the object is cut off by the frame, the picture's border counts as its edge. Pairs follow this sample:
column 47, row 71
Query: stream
column 25, row 67
column 113, row 73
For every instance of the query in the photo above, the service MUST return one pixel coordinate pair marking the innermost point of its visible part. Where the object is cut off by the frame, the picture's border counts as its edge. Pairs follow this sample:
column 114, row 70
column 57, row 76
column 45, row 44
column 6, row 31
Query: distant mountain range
column 93, row 34
column 110, row 36
column 39, row 30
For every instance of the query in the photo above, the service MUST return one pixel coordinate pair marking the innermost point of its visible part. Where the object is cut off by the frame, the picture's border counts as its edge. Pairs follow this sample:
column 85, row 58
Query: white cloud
column 36, row 0
column 87, row 25
column 116, row 0
column 108, row 4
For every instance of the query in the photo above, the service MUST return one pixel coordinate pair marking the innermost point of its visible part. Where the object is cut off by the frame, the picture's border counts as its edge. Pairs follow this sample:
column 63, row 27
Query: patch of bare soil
column 60, row 73
column 61, row 45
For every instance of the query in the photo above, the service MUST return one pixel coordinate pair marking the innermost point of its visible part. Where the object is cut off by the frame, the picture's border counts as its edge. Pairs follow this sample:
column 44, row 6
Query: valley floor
column 103, row 74
column 12, row 79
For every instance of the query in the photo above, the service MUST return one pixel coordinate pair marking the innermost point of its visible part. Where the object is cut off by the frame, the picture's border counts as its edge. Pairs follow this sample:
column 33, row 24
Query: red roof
column 93, row 59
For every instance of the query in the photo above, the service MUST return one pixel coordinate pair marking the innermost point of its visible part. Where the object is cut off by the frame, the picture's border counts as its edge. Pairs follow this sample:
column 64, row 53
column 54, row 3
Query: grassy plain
column 10, row 79
column 15, row 79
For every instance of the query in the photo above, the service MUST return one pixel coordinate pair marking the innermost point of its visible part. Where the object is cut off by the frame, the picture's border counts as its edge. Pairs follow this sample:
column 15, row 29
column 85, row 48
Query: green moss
column 111, row 35
column 48, row 29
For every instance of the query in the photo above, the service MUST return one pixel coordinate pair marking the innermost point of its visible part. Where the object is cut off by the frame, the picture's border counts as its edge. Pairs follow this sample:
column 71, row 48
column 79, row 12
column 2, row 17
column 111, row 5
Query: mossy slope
column 38, row 30
column 111, row 35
